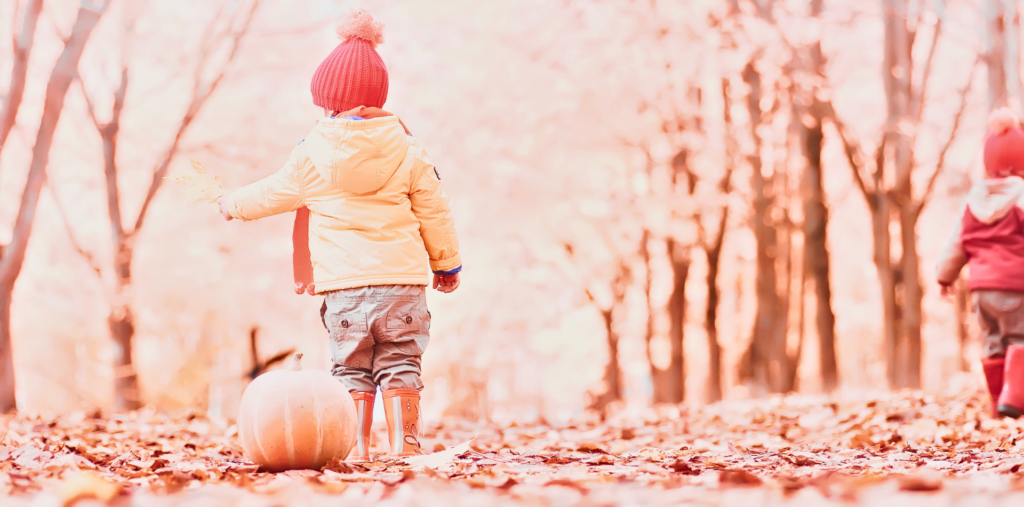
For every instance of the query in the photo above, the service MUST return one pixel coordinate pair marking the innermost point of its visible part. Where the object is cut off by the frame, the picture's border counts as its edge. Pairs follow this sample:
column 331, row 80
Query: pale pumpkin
column 296, row 419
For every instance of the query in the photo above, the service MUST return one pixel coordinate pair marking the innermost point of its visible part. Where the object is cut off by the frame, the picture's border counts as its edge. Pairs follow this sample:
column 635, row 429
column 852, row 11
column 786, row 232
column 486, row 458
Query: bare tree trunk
column 679, row 256
column 897, row 73
column 714, row 385
column 815, row 226
column 22, row 50
column 612, row 370
column 995, row 52
column 962, row 307
column 768, row 355
column 121, row 321
column 660, row 380
column 913, row 296
column 1011, row 14
column 121, row 317
column 816, row 255
column 879, row 206
column 14, row 255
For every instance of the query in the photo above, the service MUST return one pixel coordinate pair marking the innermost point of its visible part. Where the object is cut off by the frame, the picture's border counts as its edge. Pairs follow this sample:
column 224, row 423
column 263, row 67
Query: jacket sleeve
column 278, row 193
column 430, row 205
column 953, row 257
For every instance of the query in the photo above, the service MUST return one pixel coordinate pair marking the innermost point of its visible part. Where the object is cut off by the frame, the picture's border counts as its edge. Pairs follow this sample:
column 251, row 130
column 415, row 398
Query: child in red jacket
column 990, row 240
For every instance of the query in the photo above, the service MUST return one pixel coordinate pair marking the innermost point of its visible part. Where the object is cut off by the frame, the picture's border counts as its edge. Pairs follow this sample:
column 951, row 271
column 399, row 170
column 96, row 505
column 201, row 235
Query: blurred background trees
column 660, row 202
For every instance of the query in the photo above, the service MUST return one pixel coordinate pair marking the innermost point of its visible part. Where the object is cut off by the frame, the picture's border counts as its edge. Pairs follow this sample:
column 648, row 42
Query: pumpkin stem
column 296, row 363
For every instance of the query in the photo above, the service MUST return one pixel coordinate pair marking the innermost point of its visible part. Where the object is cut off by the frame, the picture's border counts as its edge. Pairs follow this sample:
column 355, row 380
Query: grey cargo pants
column 1001, row 317
column 377, row 335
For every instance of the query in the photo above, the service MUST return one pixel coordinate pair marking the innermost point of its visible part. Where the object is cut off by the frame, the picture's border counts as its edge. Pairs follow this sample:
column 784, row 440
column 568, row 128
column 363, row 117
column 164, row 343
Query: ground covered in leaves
column 899, row 449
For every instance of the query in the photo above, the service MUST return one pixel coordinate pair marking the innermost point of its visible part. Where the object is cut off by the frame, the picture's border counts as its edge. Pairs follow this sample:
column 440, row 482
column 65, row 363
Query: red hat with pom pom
column 354, row 74
column 1004, row 144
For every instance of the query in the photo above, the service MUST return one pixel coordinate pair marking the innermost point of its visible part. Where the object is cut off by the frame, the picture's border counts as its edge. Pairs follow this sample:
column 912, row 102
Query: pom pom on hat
column 1001, row 120
column 359, row 24
column 1004, row 144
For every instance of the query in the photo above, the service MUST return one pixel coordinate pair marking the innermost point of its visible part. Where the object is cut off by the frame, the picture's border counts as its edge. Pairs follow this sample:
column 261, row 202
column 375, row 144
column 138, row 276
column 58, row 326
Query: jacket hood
column 992, row 199
column 357, row 156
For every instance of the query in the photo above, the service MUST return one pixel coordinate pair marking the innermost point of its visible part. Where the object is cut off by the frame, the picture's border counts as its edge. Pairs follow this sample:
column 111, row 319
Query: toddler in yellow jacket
column 377, row 217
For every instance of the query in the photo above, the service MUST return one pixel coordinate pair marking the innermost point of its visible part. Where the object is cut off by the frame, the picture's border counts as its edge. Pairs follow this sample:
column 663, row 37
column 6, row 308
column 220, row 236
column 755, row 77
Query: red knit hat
column 354, row 74
column 1004, row 144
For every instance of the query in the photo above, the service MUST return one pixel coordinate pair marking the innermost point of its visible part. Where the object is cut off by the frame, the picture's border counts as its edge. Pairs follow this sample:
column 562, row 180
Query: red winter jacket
column 989, row 238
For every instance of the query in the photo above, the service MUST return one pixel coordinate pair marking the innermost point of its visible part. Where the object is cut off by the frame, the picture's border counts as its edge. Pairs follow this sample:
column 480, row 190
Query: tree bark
column 768, row 355
column 815, row 226
column 995, row 52
column 14, row 255
column 660, row 380
column 816, row 255
column 612, row 370
column 962, row 308
column 22, row 51
column 679, row 256
column 913, row 295
column 714, row 385
column 121, row 321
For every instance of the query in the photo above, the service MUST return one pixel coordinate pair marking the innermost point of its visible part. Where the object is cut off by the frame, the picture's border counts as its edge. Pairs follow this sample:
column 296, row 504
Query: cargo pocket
column 351, row 344
column 406, row 315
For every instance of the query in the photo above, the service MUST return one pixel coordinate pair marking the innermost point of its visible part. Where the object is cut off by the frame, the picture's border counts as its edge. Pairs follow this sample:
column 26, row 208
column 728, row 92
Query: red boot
column 993, row 368
column 364, row 420
column 1011, row 399
column 402, row 410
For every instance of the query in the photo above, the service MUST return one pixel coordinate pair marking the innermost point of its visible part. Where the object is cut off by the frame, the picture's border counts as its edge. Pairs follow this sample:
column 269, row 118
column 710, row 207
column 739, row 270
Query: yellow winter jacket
column 377, row 209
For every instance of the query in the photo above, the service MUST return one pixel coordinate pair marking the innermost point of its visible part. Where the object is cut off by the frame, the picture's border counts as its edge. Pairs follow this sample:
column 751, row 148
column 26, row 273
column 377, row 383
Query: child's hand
column 446, row 283
column 223, row 203
column 309, row 289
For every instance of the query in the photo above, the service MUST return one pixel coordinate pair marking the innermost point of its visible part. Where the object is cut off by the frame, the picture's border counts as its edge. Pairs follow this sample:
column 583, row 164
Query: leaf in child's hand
column 203, row 186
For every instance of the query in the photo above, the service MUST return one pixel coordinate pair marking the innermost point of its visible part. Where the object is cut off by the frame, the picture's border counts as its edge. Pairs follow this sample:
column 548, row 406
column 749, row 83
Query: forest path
column 894, row 449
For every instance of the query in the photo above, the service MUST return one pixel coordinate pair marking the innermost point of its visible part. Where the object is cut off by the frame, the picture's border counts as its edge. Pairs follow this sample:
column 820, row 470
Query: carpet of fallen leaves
column 894, row 449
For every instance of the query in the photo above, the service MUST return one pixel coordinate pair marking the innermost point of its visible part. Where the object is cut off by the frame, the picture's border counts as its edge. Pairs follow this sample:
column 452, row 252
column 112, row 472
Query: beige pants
column 377, row 335
column 1001, row 317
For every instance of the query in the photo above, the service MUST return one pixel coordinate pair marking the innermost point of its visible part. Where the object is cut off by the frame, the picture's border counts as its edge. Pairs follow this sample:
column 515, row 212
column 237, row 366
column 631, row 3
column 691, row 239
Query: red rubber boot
column 364, row 421
column 1011, row 399
column 993, row 369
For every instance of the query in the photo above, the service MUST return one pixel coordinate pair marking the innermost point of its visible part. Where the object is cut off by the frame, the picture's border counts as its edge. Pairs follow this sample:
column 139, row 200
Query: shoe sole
column 1008, row 411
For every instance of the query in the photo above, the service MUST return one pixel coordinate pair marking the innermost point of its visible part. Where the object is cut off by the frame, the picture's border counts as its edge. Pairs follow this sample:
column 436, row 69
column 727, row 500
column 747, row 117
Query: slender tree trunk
column 680, row 258
column 995, row 52
column 897, row 73
column 22, row 51
column 121, row 321
column 768, row 355
column 962, row 308
column 612, row 370
column 913, row 296
column 1011, row 14
column 14, row 254
column 714, row 385
column 660, row 381
column 612, row 374
column 7, row 397
column 879, row 206
column 815, row 226
column 816, row 255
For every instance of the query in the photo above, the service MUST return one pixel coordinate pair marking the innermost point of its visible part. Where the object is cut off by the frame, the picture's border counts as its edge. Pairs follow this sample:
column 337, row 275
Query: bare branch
column 88, row 257
column 919, row 206
column 89, row 106
column 851, row 148
column 201, row 92
column 22, row 49
column 917, row 105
